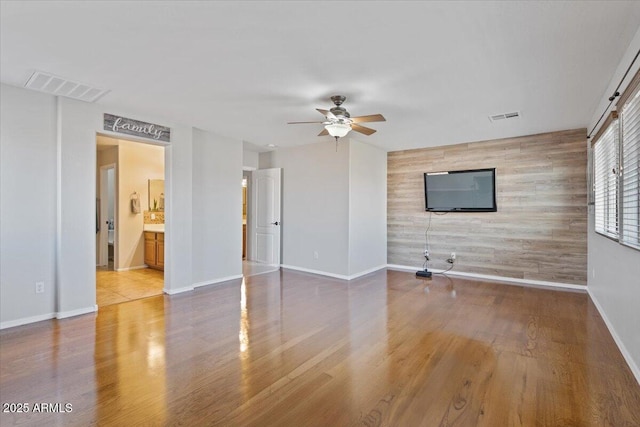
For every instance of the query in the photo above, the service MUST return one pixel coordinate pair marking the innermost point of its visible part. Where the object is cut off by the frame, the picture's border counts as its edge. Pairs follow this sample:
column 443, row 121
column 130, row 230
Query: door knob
column 275, row 223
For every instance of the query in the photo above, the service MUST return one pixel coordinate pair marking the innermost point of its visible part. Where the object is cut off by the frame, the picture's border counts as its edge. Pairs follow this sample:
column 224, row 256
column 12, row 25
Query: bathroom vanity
column 154, row 249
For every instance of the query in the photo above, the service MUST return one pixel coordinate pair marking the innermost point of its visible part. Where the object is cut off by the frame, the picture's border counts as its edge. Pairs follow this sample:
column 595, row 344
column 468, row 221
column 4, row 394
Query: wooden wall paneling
column 540, row 229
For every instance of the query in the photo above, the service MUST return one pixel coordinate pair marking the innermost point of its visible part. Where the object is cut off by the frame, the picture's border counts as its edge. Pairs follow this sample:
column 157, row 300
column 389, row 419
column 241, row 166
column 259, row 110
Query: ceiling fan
column 339, row 122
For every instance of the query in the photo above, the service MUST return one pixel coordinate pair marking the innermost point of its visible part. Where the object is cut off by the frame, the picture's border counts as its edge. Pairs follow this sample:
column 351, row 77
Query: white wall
column 315, row 205
column 367, row 208
column 217, row 208
column 27, row 204
column 47, row 215
column 333, row 203
column 613, row 268
column 178, row 211
column 76, row 192
column 250, row 159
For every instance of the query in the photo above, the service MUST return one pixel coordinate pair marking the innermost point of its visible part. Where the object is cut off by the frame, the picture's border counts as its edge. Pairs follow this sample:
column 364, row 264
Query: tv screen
column 461, row 191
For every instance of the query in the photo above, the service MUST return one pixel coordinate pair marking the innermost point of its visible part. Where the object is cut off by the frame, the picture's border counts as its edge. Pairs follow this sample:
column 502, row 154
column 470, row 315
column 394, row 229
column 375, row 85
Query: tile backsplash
column 159, row 217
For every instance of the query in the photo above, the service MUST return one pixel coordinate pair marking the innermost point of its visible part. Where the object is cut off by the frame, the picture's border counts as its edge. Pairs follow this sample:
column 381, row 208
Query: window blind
column 605, row 162
column 630, row 179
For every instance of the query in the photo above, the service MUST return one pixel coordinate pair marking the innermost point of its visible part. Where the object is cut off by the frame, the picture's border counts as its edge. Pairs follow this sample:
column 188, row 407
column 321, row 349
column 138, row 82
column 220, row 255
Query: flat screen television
column 461, row 191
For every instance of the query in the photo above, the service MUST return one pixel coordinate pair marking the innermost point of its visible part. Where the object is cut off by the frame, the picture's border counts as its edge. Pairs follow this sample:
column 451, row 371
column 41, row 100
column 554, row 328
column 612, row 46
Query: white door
column 266, row 215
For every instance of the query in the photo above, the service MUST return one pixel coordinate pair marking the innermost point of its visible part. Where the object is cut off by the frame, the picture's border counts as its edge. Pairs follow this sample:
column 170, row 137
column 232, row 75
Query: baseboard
column 78, row 312
column 216, row 281
column 502, row 279
column 26, row 320
column 177, row 291
column 275, row 268
column 319, row 272
column 365, row 272
column 336, row 276
column 623, row 349
column 200, row 284
column 137, row 267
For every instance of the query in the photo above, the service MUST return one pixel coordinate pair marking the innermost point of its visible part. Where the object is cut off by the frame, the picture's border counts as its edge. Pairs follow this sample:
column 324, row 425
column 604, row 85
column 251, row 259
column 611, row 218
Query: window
column 616, row 170
column 630, row 172
column 605, row 162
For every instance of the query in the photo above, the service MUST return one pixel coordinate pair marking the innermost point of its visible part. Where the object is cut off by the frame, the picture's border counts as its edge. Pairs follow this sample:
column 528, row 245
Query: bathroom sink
column 156, row 228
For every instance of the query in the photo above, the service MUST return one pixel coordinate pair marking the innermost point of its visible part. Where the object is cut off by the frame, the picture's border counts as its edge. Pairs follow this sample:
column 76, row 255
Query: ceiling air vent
column 54, row 85
column 504, row 116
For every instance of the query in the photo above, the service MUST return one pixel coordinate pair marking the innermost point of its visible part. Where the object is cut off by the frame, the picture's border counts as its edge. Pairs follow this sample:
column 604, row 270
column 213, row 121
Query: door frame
column 248, row 175
column 103, row 239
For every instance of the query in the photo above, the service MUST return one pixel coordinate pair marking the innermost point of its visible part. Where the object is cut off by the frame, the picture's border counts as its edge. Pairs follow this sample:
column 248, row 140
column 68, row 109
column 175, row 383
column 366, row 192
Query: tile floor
column 114, row 287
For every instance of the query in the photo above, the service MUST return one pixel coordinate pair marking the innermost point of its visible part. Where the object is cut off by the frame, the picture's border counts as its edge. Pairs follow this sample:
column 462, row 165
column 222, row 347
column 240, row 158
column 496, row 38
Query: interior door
column 266, row 214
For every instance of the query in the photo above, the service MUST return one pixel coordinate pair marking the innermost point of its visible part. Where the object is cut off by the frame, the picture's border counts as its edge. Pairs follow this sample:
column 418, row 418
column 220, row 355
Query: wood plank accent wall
column 540, row 229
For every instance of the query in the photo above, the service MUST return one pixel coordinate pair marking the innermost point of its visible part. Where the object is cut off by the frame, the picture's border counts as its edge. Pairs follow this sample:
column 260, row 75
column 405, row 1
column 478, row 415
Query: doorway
column 246, row 178
column 105, row 225
column 261, row 221
column 130, row 222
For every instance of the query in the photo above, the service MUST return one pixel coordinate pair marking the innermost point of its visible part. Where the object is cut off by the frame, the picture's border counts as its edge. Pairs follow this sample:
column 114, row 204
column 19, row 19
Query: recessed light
column 272, row 146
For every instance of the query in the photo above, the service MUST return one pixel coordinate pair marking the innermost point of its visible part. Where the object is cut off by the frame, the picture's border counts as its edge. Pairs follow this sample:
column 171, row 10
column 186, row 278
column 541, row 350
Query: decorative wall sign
column 137, row 128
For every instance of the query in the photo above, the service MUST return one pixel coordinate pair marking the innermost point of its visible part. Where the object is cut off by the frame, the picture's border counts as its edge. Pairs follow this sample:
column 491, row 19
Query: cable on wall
column 427, row 247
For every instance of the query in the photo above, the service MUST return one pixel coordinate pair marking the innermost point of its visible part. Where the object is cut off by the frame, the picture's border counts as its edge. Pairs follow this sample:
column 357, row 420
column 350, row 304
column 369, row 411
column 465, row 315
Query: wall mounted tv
column 461, row 191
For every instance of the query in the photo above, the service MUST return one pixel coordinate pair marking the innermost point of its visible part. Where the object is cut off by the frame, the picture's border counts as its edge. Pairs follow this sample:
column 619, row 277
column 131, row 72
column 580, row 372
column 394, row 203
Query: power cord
column 427, row 248
column 445, row 271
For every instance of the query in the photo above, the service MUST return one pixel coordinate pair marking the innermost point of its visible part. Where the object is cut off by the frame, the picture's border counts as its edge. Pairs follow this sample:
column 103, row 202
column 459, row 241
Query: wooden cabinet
column 149, row 250
column 160, row 252
column 154, row 250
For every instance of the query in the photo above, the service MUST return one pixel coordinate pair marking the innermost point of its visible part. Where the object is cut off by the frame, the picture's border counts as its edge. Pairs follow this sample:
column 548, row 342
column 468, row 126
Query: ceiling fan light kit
column 337, row 130
column 339, row 122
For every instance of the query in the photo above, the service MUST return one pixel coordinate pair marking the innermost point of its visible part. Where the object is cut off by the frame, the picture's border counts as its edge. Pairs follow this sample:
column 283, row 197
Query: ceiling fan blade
column 298, row 123
column 370, row 118
column 324, row 132
column 328, row 114
column 362, row 129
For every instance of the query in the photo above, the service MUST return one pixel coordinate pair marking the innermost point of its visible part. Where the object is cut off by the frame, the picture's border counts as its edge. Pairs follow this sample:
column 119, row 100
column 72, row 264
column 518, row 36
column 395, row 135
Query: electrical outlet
column 39, row 287
column 315, row 254
column 426, row 252
column 453, row 256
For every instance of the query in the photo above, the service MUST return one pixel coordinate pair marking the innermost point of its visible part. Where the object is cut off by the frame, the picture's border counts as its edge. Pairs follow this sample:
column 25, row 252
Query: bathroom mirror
column 156, row 194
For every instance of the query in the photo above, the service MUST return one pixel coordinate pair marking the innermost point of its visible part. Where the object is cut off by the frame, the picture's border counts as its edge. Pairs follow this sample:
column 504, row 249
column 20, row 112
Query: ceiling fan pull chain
column 337, row 143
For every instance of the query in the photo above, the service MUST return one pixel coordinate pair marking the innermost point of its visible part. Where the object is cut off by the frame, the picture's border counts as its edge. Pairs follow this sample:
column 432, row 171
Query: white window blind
column 605, row 163
column 629, row 181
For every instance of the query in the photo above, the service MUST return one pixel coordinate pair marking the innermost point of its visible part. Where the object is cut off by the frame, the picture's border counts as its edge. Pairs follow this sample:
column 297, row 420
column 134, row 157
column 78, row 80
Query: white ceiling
column 436, row 70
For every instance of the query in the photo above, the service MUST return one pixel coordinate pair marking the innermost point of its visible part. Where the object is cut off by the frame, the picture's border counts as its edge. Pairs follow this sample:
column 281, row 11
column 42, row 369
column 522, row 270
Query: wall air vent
column 513, row 115
column 54, row 85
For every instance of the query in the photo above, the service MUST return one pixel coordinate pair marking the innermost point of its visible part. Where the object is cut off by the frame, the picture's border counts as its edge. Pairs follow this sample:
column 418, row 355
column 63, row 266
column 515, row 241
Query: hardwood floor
column 295, row 349
column 252, row 268
column 114, row 287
